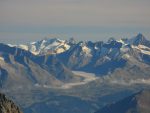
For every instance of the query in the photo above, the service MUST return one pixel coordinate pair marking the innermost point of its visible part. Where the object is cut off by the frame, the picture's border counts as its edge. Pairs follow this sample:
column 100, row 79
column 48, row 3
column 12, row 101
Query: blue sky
column 28, row 20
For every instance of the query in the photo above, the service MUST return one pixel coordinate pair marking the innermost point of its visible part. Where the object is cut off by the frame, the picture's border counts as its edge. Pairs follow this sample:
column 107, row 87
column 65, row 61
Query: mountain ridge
column 90, row 71
column 136, row 103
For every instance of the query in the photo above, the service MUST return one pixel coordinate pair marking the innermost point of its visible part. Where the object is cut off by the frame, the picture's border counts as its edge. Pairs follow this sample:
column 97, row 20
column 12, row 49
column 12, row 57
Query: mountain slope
column 103, row 58
column 114, row 56
column 20, row 68
column 137, row 103
column 139, row 40
column 45, row 78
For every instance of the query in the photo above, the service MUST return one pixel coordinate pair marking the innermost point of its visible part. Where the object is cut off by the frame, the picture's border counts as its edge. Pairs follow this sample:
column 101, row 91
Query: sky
column 22, row 21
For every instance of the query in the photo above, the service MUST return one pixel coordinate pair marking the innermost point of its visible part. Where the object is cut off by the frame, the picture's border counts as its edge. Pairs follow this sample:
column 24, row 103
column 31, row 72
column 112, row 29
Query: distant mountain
column 20, row 68
column 8, row 106
column 137, row 103
column 103, row 58
column 80, row 55
column 139, row 40
column 85, row 72
column 48, row 46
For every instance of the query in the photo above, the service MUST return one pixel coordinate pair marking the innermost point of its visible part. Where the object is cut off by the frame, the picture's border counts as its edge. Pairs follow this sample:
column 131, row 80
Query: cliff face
column 7, row 106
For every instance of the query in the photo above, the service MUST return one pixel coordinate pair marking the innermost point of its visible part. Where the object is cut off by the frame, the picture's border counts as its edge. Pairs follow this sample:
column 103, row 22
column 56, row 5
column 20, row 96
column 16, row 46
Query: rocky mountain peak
column 139, row 40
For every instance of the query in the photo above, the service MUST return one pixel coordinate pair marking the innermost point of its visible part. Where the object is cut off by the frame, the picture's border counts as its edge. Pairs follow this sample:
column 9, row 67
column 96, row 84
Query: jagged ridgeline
column 53, row 75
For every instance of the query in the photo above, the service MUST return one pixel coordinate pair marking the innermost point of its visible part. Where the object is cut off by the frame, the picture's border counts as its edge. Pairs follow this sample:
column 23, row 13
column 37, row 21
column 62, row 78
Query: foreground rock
column 7, row 106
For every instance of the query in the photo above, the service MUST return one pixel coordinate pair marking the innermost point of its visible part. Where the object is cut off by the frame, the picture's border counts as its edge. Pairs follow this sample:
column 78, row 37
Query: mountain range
column 85, row 72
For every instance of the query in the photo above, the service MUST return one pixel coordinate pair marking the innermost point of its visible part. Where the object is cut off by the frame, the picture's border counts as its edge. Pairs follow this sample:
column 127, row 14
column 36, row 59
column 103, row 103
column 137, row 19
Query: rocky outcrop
column 8, row 106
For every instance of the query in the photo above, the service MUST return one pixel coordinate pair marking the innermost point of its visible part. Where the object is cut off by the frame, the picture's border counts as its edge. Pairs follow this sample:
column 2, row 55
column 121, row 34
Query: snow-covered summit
column 87, row 48
column 47, row 46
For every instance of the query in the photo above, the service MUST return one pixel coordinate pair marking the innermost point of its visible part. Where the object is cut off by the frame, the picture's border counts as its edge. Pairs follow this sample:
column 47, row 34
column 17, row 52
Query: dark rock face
column 137, row 103
column 7, row 106
column 3, row 76
column 140, row 39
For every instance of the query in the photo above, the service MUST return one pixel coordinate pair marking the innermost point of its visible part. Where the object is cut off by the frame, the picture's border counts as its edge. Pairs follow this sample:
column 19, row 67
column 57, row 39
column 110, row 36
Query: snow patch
column 96, row 48
column 25, row 47
column 121, row 41
column 143, row 49
column 2, row 59
column 10, row 45
column 32, row 43
column 86, row 50
column 127, row 56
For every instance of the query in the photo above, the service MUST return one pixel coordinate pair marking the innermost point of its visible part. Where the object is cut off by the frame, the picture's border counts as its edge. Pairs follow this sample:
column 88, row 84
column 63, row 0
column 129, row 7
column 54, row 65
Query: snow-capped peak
column 56, row 46
column 47, row 46
column 121, row 41
column 11, row 45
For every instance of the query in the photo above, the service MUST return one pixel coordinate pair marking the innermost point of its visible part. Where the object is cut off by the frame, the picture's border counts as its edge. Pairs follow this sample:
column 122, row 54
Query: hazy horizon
column 26, row 21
